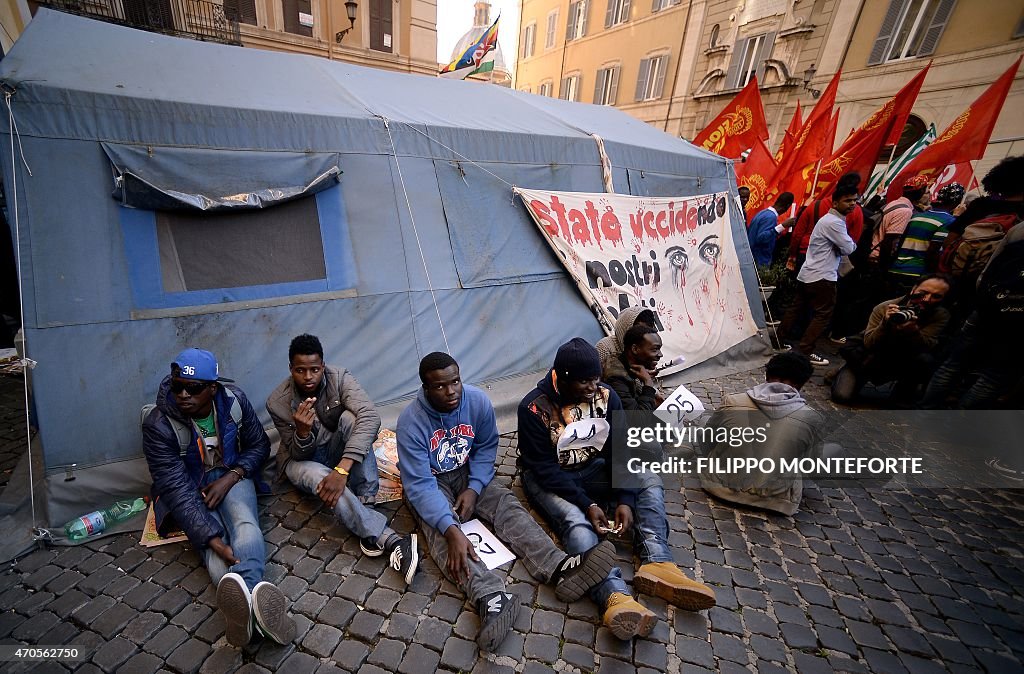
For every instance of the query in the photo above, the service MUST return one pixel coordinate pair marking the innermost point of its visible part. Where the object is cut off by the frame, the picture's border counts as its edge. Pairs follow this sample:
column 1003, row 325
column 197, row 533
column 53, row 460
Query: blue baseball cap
column 197, row 364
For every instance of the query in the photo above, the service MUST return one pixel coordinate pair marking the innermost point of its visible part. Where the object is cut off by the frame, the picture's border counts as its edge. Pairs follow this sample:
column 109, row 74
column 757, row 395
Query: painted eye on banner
column 677, row 257
column 709, row 250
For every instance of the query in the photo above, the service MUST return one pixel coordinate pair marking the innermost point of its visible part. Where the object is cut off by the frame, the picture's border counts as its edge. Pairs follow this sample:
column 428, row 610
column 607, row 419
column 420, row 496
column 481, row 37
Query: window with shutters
column 529, row 41
column 570, row 90
column 243, row 10
column 618, row 12
column 606, row 88
column 381, row 21
column 748, row 59
column 298, row 13
column 544, row 89
column 663, row 4
column 576, row 26
column 549, row 38
column 911, row 28
column 651, row 81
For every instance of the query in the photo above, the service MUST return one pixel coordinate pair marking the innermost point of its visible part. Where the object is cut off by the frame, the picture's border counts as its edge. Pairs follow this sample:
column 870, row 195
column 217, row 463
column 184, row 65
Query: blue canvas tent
column 192, row 194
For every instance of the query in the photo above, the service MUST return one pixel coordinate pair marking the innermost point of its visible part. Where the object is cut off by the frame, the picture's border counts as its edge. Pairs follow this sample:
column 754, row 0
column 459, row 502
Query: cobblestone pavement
column 860, row 580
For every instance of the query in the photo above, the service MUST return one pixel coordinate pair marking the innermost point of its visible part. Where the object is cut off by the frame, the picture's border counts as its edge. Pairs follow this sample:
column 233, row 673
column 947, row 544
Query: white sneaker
column 235, row 602
column 817, row 360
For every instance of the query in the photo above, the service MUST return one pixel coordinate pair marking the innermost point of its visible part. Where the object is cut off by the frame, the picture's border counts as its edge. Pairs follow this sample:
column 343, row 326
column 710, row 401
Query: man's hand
column 791, row 264
column 215, row 492
column 598, row 520
column 623, row 518
column 331, row 487
column 223, row 550
column 465, row 504
column 643, row 374
column 909, row 326
column 304, row 417
column 460, row 551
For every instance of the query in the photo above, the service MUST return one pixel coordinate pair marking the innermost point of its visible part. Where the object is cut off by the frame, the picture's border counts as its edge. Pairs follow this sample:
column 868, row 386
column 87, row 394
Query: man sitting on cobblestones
column 205, row 448
column 564, row 446
column 631, row 373
column 447, row 446
column 791, row 432
column 327, row 425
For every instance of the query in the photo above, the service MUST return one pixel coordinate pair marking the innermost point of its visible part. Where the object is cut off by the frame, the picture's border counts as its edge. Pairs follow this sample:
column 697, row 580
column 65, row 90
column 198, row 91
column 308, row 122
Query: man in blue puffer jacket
column 207, row 488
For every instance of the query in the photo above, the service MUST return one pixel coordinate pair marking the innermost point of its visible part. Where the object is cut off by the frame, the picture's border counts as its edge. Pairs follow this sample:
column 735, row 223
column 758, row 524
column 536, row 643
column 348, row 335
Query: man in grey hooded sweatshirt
column 610, row 348
column 791, row 430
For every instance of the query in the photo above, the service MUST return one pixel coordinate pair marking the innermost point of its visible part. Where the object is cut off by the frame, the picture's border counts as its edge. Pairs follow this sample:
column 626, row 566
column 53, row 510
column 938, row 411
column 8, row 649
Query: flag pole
column 814, row 183
column 892, row 156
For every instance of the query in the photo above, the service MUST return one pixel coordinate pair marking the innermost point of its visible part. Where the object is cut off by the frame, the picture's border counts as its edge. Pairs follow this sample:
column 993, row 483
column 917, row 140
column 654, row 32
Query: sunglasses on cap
column 193, row 387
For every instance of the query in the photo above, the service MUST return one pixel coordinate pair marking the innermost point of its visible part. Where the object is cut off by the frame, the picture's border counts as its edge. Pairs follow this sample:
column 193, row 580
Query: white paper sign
column 679, row 407
column 491, row 551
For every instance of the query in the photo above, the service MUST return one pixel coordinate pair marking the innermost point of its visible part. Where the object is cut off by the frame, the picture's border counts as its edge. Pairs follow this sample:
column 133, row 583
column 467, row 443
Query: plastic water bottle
column 95, row 522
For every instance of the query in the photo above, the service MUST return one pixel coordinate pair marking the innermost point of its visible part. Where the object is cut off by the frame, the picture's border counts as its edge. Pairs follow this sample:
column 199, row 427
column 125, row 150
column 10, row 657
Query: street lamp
column 350, row 9
column 808, row 76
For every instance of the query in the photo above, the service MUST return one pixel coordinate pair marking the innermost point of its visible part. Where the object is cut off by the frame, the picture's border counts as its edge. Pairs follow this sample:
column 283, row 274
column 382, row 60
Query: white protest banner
column 681, row 406
column 491, row 551
column 672, row 255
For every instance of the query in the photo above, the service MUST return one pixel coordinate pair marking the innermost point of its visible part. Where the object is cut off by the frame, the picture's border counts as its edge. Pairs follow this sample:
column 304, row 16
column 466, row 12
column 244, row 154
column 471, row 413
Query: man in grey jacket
column 327, row 426
column 791, row 431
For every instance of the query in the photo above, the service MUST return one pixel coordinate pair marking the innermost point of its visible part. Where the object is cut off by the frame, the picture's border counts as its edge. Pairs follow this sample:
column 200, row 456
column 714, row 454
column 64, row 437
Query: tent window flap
column 158, row 178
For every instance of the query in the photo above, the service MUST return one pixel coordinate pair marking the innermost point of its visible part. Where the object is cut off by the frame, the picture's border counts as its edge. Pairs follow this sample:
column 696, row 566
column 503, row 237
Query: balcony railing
column 196, row 19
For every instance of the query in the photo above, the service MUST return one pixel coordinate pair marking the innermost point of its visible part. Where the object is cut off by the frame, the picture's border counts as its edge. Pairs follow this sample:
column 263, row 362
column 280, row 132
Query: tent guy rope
column 415, row 231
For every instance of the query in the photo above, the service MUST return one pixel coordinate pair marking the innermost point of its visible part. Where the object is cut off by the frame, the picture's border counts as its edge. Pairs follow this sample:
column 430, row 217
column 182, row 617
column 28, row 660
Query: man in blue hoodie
column 565, row 437
column 791, row 431
column 205, row 447
column 447, row 446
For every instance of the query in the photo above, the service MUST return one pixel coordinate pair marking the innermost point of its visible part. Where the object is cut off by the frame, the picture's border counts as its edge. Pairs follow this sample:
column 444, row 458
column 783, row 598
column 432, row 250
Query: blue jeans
column 351, row 510
column 239, row 516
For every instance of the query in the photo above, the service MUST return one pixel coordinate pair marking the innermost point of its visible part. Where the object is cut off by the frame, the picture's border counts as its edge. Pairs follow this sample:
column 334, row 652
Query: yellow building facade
column 702, row 52
column 391, row 34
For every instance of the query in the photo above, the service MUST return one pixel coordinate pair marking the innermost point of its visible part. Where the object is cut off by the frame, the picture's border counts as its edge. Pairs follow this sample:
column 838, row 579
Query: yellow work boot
column 665, row 580
column 628, row 618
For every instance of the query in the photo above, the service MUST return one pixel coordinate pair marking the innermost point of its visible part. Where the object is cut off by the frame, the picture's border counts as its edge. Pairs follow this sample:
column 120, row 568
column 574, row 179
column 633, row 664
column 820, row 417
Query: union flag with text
column 963, row 140
column 738, row 126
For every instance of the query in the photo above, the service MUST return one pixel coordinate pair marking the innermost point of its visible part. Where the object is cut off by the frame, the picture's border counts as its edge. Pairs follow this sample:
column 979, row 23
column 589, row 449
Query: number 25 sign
column 679, row 407
column 491, row 551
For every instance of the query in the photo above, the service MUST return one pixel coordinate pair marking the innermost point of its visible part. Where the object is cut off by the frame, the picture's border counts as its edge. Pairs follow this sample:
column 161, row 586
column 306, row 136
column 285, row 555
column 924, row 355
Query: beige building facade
column 391, row 34
column 704, row 51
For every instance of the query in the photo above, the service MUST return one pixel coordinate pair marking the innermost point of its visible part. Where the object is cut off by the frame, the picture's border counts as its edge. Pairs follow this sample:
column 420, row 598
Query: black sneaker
column 405, row 556
column 270, row 609
column 498, row 612
column 235, row 602
column 578, row 573
column 370, row 548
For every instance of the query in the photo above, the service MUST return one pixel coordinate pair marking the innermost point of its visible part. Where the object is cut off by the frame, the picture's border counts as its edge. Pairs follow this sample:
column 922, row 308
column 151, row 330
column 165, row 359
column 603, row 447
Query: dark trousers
column 820, row 298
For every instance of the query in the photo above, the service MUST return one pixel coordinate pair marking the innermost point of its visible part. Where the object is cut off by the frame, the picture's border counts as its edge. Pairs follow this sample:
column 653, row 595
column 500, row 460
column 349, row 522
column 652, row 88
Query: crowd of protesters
column 923, row 296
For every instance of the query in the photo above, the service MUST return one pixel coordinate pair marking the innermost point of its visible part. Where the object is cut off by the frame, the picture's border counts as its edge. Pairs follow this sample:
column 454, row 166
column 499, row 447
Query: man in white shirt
column 816, row 287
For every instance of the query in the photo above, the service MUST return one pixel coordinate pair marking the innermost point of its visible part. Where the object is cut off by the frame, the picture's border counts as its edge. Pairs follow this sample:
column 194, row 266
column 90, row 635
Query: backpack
column 183, row 431
column 871, row 225
column 966, row 257
column 1001, row 289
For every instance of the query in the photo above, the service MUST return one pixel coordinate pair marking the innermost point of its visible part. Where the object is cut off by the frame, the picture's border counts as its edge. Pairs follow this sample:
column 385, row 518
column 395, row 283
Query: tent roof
column 61, row 52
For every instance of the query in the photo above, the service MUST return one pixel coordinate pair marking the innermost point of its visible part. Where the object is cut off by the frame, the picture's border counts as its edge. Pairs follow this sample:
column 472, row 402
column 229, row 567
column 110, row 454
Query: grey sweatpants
column 509, row 521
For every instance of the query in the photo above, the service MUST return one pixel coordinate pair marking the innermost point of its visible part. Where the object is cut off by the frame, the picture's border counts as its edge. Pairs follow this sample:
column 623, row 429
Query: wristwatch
column 237, row 471
column 340, row 471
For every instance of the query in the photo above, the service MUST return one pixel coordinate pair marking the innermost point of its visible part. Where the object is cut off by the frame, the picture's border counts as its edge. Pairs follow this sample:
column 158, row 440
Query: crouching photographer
column 900, row 343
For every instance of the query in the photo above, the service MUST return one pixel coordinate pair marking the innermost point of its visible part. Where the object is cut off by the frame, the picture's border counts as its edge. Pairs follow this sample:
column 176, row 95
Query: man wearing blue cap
column 205, row 448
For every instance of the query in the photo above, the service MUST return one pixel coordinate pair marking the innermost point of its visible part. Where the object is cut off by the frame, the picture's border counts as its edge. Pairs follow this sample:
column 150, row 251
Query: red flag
column 963, row 140
column 859, row 152
column 792, row 131
column 809, row 146
column 961, row 173
column 756, row 172
column 738, row 126
column 830, row 143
